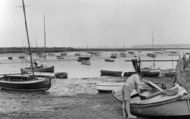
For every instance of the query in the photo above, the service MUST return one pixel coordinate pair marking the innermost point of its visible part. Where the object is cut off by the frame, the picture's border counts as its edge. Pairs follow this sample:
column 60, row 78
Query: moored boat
column 110, row 73
column 123, row 54
column 60, row 57
column 63, row 54
column 10, row 58
column 168, row 72
column 83, row 58
column 21, row 57
column 41, row 68
column 113, row 55
column 77, row 54
column 149, row 72
column 85, row 62
column 24, row 83
column 109, row 60
column 153, row 55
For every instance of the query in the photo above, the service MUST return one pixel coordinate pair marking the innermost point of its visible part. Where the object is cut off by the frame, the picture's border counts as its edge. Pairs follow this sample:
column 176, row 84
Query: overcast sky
column 95, row 23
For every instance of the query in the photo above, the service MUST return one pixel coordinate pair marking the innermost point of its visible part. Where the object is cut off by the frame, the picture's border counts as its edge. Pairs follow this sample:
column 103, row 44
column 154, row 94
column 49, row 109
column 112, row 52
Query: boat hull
column 151, row 73
column 110, row 73
column 40, row 69
column 39, row 84
column 83, row 58
column 109, row 60
column 173, row 107
column 85, row 62
column 127, row 74
column 158, row 106
column 153, row 55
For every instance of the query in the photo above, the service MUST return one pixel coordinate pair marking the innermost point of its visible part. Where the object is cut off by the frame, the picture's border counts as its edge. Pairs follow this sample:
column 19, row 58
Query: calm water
column 75, row 70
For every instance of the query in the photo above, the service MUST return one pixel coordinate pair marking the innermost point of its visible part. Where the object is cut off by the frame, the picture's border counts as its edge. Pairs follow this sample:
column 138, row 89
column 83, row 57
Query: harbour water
column 75, row 70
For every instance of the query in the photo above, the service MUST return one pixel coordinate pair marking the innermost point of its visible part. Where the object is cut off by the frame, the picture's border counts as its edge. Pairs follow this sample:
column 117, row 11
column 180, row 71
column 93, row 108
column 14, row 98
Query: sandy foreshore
column 72, row 107
column 66, row 99
column 75, row 98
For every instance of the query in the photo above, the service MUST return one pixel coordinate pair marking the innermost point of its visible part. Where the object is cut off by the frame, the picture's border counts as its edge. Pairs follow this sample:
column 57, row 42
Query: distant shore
column 65, row 49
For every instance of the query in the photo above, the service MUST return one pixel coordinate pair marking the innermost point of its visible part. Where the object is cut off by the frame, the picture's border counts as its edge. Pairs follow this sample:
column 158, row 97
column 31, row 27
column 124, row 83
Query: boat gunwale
column 141, row 105
column 40, row 79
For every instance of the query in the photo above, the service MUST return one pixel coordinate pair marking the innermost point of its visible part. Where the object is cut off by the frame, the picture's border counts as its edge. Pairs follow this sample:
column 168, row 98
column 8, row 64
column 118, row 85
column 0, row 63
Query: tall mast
column 45, row 37
column 153, row 50
column 23, row 6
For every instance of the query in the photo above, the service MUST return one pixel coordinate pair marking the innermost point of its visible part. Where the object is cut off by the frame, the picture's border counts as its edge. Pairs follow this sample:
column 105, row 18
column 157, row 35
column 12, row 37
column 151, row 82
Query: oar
column 153, row 85
column 168, row 92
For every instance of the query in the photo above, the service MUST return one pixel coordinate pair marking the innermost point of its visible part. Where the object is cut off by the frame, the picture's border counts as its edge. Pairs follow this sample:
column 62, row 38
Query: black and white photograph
column 94, row 59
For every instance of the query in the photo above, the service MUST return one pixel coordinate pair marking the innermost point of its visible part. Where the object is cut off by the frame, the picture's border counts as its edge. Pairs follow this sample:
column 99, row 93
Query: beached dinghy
column 159, row 103
column 24, row 83
column 108, row 87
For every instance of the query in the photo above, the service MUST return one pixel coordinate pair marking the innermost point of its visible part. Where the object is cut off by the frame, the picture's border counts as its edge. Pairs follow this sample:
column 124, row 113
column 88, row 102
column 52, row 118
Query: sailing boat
column 151, row 72
column 153, row 55
column 85, row 60
column 41, row 68
column 26, row 82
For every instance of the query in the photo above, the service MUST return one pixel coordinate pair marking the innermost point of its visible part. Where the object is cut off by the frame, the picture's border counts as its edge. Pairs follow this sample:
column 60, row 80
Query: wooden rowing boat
column 24, row 83
column 159, row 104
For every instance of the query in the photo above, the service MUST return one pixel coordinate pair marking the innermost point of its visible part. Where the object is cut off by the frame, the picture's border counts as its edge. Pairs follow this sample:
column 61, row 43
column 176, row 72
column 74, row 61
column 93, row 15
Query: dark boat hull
column 151, row 73
column 127, row 74
column 145, row 73
column 153, row 55
column 40, row 69
column 37, row 84
column 109, row 60
column 83, row 58
column 110, row 73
